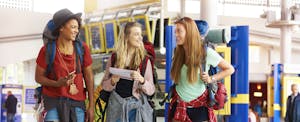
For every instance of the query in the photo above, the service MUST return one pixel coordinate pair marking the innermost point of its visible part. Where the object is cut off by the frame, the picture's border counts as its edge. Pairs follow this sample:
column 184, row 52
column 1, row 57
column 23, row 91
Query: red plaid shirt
column 180, row 112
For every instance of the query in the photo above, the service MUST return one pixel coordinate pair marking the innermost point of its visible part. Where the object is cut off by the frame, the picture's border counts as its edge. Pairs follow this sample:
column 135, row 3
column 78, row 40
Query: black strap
column 50, row 55
column 143, row 66
column 79, row 49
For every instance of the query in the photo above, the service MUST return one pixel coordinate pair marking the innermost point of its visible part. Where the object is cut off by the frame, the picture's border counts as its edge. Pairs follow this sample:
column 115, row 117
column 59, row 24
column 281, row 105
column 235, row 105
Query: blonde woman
column 189, row 103
column 126, row 103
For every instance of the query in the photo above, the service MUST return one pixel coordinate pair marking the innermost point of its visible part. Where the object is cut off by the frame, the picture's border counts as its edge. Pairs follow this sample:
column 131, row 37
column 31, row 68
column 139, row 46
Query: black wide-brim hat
column 62, row 16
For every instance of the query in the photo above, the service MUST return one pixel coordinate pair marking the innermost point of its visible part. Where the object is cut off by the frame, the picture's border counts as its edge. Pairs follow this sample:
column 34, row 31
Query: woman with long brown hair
column 189, row 103
column 126, row 103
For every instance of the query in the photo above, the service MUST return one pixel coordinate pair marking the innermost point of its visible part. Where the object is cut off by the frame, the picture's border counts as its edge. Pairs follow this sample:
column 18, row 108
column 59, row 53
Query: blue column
column 170, row 44
column 239, row 80
column 276, row 74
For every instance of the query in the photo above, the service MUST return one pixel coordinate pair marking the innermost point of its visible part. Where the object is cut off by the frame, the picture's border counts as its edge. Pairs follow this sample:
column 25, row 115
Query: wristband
column 213, row 79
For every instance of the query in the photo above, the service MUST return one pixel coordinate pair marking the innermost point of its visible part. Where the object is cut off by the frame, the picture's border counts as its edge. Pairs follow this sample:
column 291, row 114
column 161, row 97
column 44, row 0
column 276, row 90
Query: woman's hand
column 205, row 78
column 115, row 79
column 136, row 76
column 71, row 78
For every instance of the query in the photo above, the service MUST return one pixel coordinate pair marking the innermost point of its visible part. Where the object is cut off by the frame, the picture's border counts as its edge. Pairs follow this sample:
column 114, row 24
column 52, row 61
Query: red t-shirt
column 60, row 71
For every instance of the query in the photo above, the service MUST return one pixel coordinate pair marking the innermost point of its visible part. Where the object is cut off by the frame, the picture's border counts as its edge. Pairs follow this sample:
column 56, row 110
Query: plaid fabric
column 180, row 112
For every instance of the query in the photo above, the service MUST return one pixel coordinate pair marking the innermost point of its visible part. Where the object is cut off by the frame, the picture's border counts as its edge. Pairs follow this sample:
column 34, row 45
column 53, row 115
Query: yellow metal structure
column 240, row 99
column 144, row 20
column 96, row 37
column 85, row 30
column 226, row 53
column 270, row 97
column 121, row 24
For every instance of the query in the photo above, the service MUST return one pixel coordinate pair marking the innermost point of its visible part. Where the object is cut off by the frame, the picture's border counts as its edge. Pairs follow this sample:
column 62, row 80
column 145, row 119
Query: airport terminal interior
column 260, row 38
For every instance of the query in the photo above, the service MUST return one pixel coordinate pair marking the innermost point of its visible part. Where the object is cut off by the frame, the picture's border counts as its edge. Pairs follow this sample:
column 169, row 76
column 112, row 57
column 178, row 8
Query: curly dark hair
column 56, row 31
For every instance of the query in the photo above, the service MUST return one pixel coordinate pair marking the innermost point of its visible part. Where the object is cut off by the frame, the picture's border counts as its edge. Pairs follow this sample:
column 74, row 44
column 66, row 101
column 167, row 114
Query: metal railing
column 270, row 3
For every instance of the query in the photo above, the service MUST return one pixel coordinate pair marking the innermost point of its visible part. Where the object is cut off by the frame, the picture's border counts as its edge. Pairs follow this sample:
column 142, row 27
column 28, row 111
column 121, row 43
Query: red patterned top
column 60, row 71
column 180, row 112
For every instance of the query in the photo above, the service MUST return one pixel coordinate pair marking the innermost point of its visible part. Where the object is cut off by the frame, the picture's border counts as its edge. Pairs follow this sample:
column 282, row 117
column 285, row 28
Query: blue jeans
column 10, row 117
column 52, row 115
column 131, row 116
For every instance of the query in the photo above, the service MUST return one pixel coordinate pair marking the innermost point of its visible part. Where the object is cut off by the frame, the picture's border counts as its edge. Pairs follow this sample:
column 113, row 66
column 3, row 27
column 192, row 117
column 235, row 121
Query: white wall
column 17, row 23
column 19, row 51
column 20, row 35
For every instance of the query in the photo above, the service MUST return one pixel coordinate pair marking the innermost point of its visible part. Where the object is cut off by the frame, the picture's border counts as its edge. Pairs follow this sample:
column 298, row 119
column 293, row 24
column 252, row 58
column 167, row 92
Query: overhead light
column 258, row 86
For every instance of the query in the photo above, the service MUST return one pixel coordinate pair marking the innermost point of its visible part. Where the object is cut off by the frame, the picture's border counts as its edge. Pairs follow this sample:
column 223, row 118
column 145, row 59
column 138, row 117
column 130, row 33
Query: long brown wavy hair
column 121, row 48
column 196, row 52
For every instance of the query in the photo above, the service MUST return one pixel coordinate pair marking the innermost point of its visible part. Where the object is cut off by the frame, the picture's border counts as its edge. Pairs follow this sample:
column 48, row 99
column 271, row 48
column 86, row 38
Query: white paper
column 123, row 73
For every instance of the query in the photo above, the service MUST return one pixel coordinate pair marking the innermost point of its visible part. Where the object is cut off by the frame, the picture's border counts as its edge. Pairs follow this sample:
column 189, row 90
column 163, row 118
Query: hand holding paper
column 137, row 77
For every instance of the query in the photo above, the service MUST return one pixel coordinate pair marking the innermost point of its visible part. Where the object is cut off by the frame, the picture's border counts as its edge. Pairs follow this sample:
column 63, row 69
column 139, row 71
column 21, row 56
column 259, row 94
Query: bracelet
column 213, row 79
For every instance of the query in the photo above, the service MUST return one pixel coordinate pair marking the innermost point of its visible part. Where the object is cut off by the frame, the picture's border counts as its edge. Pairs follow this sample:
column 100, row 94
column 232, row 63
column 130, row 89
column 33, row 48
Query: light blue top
column 188, row 91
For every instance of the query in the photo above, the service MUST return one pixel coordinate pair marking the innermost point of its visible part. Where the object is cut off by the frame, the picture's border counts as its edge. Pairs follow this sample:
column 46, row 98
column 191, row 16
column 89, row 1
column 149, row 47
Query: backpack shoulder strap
column 113, row 59
column 79, row 49
column 143, row 65
column 50, row 55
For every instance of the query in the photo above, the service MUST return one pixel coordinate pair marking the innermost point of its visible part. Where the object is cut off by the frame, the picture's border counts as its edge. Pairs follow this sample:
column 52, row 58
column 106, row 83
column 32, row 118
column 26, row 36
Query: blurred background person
column 11, row 106
column 293, row 105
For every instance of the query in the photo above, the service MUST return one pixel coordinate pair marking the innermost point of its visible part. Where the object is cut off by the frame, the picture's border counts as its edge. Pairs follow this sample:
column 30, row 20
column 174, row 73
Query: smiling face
column 135, row 38
column 180, row 34
column 70, row 30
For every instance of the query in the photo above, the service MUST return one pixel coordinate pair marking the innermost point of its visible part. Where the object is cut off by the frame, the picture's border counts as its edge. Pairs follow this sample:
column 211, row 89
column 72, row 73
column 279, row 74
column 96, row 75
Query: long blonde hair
column 121, row 48
column 195, row 50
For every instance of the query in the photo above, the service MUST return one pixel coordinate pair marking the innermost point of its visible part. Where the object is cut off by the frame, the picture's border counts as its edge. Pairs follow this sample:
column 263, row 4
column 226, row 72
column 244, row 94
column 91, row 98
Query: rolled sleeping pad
column 217, row 36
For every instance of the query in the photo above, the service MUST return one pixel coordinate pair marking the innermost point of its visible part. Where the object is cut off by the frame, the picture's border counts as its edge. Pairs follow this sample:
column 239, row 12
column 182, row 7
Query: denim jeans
column 52, row 115
column 10, row 117
column 131, row 115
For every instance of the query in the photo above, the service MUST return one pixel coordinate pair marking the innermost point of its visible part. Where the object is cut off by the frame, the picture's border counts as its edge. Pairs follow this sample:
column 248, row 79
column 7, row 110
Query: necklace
column 63, row 61
column 73, row 89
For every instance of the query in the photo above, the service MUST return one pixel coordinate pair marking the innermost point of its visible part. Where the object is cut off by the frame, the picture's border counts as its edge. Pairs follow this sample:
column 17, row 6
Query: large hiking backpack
column 217, row 91
column 50, row 43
